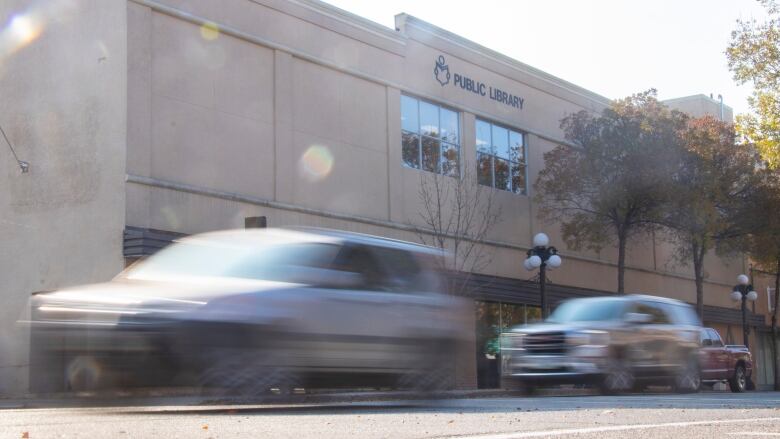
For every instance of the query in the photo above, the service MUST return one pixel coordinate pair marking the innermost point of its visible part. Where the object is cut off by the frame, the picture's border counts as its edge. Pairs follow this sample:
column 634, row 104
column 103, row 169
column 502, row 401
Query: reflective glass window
column 429, row 119
column 449, row 126
column 410, row 149
column 430, row 137
column 505, row 149
column 410, row 120
column 501, row 142
column 483, row 136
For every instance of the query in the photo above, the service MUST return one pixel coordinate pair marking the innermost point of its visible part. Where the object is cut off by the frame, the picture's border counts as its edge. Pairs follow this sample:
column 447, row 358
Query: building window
column 430, row 137
column 501, row 159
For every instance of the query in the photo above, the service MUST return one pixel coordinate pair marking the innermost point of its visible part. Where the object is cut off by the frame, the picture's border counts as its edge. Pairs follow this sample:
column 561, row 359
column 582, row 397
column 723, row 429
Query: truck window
column 716, row 340
column 655, row 310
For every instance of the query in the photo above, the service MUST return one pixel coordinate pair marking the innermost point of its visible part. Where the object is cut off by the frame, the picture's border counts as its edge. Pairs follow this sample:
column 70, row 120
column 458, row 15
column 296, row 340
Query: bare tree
column 458, row 214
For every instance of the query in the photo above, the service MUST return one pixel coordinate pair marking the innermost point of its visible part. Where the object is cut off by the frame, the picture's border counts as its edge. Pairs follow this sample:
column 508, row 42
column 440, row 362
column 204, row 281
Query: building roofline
column 697, row 96
column 403, row 19
column 351, row 19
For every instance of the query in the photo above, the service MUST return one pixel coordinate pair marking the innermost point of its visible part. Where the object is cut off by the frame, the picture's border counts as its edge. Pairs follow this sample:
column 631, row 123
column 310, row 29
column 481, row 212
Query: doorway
column 493, row 318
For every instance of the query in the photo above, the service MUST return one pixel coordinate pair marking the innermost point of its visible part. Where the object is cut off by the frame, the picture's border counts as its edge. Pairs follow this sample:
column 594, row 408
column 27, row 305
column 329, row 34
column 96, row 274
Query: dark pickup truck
column 724, row 363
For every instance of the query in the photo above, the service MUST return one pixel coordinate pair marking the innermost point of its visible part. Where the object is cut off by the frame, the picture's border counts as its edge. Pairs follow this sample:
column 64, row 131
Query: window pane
column 484, row 169
column 449, row 126
column 409, row 120
column 502, row 174
column 483, row 136
column 450, row 160
column 512, row 315
column 431, row 151
column 516, row 150
column 411, row 149
column 518, row 178
column 429, row 119
column 533, row 314
column 501, row 141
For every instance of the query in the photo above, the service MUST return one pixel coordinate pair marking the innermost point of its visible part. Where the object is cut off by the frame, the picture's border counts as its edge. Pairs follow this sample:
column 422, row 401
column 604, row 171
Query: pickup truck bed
column 724, row 363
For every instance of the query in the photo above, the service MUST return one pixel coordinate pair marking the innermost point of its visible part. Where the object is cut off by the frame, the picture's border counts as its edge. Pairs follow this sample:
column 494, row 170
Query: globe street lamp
column 542, row 256
column 743, row 291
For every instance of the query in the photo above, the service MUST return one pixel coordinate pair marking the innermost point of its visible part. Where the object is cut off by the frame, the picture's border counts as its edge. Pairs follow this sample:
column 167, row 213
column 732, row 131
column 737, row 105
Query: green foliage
column 763, row 128
column 760, row 222
column 614, row 183
column 714, row 179
column 754, row 56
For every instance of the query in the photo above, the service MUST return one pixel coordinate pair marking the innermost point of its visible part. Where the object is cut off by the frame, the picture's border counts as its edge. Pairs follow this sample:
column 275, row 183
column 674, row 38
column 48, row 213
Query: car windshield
column 588, row 310
column 280, row 262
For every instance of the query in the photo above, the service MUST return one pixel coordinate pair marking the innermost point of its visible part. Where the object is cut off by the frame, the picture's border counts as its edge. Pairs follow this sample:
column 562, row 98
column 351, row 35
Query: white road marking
column 752, row 433
column 547, row 433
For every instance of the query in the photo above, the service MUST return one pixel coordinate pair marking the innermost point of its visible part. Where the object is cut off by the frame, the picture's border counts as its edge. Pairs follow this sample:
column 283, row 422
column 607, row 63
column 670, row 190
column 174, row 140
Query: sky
column 612, row 47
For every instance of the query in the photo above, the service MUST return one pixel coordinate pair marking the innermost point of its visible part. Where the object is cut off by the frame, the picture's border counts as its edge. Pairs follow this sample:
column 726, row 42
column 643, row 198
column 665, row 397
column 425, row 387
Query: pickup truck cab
column 724, row 363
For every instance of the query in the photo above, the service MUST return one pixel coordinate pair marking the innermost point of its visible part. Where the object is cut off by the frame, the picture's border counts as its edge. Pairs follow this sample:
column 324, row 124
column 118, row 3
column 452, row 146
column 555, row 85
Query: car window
column 682, row 314
column 360, row 260
column 398, row 267
column 705, row 339
column 588, row 310
column 285, row 263
column 716, row 340
column 654, row 310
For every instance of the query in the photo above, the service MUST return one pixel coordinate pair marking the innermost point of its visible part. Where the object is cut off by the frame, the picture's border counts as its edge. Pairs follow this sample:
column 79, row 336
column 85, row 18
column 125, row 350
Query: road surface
column 706, row 415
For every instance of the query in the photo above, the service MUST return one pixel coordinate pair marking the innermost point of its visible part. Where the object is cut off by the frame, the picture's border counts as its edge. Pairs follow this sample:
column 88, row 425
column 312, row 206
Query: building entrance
column 492, row 319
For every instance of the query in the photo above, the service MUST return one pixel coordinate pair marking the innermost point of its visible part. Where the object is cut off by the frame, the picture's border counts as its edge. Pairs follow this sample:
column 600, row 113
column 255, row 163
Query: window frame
column 493, row 155
column 442, row 142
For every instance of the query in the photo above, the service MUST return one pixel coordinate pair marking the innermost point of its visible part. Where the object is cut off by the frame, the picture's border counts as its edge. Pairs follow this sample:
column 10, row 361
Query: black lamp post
column 541, row 256
column 743, row 292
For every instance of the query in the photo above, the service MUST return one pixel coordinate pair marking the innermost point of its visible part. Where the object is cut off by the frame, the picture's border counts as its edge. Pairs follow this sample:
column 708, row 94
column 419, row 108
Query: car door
column 720, row 356
column 655, row 339
column 707, row 356
column 354, row 327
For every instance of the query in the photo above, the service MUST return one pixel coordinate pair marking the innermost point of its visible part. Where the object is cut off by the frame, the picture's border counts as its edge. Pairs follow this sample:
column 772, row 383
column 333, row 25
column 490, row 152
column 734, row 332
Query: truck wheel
column 738, row 382
column 619, row 378
column 689, row 379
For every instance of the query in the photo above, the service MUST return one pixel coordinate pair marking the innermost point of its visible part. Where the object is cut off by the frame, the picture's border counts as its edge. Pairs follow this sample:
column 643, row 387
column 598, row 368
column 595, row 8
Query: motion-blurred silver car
column 248, row 311
column 619, row 343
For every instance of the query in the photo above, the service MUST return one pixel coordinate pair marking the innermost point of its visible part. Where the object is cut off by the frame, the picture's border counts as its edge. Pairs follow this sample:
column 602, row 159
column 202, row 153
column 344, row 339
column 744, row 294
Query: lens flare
column 316, row 163
column 21, row 30
column 209, row 31
column 24, row 29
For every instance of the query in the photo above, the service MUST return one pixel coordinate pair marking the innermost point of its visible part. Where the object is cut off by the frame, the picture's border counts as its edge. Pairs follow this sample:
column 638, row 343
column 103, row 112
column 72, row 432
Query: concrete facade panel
column 202, row 147
column 64, row 109
column 338, row 177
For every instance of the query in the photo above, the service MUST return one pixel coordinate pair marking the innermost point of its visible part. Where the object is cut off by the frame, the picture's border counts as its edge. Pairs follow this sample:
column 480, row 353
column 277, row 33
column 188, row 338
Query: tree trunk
column 774, row 326
column 698, row 268
column 621, row 261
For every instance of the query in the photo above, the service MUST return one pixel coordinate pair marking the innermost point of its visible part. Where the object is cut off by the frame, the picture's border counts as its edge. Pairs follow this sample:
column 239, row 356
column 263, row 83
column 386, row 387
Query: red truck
column 724, row 363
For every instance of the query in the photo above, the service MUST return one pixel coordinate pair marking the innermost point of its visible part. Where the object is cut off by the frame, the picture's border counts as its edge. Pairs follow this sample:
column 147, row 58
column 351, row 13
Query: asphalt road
column 706, row 415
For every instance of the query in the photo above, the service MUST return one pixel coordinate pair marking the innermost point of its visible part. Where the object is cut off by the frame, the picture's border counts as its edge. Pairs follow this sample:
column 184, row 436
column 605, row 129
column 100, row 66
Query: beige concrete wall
column 700, row 105
column 298, row 104
column 63, row 77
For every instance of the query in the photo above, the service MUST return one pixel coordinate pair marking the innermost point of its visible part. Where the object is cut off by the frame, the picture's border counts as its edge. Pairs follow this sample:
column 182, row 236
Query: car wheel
column 689, row 379
column 738, row 382
column 434, row 379
column 618, row 378
column 84, row 373
column 246, row 374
